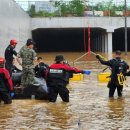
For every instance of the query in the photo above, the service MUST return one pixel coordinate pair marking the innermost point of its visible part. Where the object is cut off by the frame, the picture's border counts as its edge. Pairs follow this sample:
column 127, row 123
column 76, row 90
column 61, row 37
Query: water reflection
column 116, row 108
column 60, row 115
column 88, row 103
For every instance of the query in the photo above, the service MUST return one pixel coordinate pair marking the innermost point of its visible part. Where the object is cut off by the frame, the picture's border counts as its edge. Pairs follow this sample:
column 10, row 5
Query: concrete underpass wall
column 14, row 24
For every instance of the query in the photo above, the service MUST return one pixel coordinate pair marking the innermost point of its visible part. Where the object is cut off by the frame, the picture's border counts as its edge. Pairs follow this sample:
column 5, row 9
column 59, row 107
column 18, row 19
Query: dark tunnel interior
column 72, row 39
column 53, row 40
column 119, row 39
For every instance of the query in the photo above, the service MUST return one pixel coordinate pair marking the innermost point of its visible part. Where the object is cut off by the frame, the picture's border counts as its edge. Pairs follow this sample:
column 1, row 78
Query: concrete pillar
column 109, row 42
column 109, row 34
column 106, row 43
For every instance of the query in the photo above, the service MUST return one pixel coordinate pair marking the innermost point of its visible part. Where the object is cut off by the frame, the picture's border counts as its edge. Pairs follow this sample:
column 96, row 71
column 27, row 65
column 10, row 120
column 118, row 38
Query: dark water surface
column 89, row 107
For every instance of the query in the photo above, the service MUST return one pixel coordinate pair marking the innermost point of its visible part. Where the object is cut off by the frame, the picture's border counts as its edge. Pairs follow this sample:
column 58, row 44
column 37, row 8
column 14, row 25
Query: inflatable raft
column 37, row 91
column 28, row 92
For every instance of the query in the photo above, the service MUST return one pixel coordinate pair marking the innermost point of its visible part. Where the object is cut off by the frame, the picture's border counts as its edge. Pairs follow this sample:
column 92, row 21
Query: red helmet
column 13, row 42
column 2, row 60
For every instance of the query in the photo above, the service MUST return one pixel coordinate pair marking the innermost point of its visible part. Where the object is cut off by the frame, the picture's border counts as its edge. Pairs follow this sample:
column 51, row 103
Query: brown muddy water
column 89, row 107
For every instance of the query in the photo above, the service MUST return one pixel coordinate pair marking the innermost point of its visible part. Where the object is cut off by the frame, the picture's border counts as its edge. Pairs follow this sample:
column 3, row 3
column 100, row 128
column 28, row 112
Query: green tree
column 99, row 6
column 31, row 11
column 77, row 7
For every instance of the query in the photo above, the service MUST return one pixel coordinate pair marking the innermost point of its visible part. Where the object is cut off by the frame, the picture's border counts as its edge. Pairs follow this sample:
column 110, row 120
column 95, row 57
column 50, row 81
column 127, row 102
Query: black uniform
column 41, row 70
column 118, row 66
column 9, row 52
column 58, row 78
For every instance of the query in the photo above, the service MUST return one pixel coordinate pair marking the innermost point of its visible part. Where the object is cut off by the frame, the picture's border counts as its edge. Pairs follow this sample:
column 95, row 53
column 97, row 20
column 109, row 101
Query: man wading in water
column 118, row 67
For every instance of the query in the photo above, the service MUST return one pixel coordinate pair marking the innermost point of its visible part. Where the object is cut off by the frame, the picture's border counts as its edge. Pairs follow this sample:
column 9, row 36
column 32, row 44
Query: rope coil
column 121, row 79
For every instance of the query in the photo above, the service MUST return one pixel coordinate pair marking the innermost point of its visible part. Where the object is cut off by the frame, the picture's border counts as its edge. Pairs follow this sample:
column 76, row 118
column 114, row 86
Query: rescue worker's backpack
column 119, row 69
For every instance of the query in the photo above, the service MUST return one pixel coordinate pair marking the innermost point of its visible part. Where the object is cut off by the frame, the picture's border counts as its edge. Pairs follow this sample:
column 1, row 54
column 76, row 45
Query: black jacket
column 9, row 52
column 114, row 64
column 41, row 70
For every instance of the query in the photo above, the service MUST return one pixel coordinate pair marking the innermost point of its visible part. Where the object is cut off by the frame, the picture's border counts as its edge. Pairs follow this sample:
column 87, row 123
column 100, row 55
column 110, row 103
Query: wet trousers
column 27, row 76
column 8, row 66
column 112, row 87
column 54, row 90
column 5, row 96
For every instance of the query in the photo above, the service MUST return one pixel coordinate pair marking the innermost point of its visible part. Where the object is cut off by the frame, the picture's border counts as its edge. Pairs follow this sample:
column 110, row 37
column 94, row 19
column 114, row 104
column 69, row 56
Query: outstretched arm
column 103, row 61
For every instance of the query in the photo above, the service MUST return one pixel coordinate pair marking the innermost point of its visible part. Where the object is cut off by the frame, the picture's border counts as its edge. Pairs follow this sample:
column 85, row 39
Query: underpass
column 76, row 39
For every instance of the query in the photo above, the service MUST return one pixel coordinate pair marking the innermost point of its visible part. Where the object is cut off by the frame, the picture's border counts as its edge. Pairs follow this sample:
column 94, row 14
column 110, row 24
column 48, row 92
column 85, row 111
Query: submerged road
column 89, row 109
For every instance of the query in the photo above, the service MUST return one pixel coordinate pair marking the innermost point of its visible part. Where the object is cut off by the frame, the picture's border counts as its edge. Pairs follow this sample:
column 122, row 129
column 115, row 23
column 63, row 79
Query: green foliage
column 44, row 14
column 76, row 8
column 64, row 9
column 105, row 5
column 99, row 7
column 120, row 7
column 32, row 13
column 108, row 6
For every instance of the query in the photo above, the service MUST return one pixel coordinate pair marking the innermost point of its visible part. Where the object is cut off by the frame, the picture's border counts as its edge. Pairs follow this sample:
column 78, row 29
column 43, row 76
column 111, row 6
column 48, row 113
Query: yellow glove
column 98, row 56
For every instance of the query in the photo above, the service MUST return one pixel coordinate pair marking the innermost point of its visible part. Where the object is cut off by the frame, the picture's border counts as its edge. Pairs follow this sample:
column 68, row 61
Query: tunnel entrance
column 53, row 40
column 72, row 39
column 64, row 39
column 119, row 39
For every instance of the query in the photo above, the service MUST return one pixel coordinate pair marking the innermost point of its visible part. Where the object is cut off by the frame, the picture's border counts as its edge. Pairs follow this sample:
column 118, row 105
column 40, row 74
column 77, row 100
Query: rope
column 121, row 79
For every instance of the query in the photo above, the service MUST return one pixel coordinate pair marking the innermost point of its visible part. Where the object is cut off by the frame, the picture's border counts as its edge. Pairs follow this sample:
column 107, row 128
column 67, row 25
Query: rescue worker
column 41, row 68
column 28, row 55
column 6, row 85
column 9, row 52
column 117, row 66
column 40, row 74
column 57, row 79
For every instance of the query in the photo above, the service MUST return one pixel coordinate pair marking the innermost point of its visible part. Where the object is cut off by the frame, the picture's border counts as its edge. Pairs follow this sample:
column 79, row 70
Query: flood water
column 89, row 107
